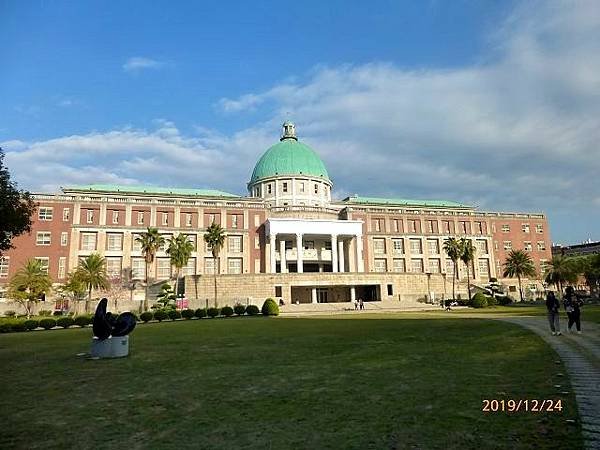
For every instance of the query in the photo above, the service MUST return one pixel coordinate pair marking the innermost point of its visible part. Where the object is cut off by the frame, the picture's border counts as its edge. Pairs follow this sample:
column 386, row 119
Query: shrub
column 227, row 311
column 187, row 314
column 5, row 327
column 18, row 325
column 47, row 323
column 146, row 316
column 10, row 313
column 31, row 324
column 82, row 321
column 270, row 308
column 213, row 312
column 200, row 313
column 174, row 314
column 504, row 300
column 65, row 322
column 479, row 301
column 239, row 309
column 161, row 315
column 45, row 313
column 252, row 310
column 491, row 300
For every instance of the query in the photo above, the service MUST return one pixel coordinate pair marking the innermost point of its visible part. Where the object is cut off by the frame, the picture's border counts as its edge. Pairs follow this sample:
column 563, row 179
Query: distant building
column 586, row 248
column 287, row 239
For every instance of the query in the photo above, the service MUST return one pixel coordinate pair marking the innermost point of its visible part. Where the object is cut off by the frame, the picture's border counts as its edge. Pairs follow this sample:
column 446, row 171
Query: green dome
column 289, row 157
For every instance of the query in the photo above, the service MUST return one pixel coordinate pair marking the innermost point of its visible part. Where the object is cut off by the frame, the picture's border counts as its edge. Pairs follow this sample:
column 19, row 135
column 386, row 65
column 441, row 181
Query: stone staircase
column 348, row 308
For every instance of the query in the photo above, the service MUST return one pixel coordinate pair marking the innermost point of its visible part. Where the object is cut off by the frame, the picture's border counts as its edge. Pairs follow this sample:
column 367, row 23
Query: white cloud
column 137, row 63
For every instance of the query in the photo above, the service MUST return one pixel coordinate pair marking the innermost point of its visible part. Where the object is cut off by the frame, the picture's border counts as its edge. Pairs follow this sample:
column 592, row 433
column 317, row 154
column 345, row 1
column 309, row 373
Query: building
column 583, row 249
column 287, row 239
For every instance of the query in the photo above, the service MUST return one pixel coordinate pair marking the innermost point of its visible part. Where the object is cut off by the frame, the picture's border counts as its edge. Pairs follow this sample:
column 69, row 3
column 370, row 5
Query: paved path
column 581, row 355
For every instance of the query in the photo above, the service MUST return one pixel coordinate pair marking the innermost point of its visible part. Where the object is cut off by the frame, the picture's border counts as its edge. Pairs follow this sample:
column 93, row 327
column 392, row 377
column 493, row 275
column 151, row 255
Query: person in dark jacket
column 572, row 307
column 553, row 306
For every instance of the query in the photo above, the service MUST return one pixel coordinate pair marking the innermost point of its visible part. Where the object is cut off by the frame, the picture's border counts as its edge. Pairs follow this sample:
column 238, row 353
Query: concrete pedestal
column 113, row 347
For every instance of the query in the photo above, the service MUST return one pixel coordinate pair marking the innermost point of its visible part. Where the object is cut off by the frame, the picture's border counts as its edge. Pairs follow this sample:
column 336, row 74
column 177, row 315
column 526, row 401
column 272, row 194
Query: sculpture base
column 113, row 347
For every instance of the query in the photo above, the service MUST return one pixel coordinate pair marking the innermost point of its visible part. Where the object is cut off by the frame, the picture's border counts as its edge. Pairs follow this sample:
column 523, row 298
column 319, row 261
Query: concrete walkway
column 581, row 355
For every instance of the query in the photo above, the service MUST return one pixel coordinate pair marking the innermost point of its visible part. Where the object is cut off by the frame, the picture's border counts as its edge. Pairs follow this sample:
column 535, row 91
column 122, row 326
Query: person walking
column 553, row 306
column 355, row 305
column 572, row 307
column 361, row 303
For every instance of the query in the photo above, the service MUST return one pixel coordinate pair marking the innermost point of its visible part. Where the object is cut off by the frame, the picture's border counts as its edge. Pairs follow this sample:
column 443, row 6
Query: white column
column 341, row 255
column 360, row 264
column 282, row 258
column 352, row 293
column 272, row 252
column 313, row 295
column 300, row 253
column 334, row 253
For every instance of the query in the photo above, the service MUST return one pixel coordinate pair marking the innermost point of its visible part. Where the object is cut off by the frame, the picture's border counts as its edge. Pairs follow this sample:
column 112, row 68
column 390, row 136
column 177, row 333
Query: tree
column 16, row 209
column 467, row 256
column 215, row 238
column 453, row 249
column 92, row 272
column 519, row 264
column 74, row 289
column 180, row 249
column 30, row 284
column 116, row 290
column 150, row 242
column 559, row 270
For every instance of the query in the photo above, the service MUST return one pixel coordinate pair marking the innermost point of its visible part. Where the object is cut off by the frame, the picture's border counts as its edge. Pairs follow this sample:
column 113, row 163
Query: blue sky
column 486, row 102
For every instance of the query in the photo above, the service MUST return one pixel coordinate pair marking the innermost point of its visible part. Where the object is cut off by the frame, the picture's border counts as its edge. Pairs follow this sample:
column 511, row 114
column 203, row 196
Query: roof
column 402, row 202
column 289, row 157
column 112, row 188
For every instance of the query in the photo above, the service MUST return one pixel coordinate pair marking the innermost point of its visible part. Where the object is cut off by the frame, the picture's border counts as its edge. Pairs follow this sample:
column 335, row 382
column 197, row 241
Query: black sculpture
column 107, row 324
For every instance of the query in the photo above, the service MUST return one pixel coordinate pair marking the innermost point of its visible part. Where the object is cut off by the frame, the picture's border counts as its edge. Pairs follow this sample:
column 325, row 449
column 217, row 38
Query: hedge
column 47, row 323
column 200, row 313
column 252, row 310
column 239, row 309
column 479, row 301
column 213, row 312
column 187, row 314
column 227, row 311
column 65, row 322
column 174, row 314
column 160, row 315
column 270, row 308
column 82, row 321
column 31, row 324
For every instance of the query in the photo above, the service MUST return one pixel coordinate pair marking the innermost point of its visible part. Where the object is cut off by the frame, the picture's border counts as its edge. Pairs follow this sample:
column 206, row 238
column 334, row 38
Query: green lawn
column 286, row 383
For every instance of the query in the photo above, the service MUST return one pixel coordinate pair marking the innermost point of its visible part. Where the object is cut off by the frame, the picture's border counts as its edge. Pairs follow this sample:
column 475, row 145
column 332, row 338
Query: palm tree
column 559, row 270
column 74, row 288
column 215, row 238
column 29, row 284
column 467, row 256
column 519, row 264
column 453, row 249
column 91, row 271
column 180, row 249
column 150, row 242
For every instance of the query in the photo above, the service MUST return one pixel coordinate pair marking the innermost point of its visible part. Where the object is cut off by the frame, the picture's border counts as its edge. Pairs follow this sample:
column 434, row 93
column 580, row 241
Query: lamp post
column 445, row 293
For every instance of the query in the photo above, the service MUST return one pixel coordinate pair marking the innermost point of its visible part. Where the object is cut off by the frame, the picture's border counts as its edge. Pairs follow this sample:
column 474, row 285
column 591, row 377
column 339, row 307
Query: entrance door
column 321, row 295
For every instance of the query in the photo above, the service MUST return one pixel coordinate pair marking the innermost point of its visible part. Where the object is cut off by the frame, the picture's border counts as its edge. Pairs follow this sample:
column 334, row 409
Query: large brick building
column 288, row 238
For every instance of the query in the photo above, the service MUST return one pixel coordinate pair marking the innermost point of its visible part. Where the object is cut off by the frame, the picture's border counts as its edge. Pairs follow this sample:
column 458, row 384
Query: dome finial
column 289, row 131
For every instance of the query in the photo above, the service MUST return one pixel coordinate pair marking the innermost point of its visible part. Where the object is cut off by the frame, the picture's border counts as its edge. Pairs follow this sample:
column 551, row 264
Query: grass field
column 286, row 383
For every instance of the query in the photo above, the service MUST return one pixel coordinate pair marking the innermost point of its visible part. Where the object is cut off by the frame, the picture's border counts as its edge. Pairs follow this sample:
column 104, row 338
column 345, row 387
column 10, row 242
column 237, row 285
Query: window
column 431, row 226
column 64, row 239
column 190, row 268
column 416, row 265
column 481, row 246
column 164, row 218
column 42, row 238
column 507, row 245
column 412, row 226
column 398, row 246
column 211, row 219
column 192, row 239
column 163, row 268
column 415, row 246
column 484, row 268
column 462, row 226
column 379, row 246
column 209, row 265
column 525, row 227
column 45, row 261
column 62, row 267
column 380, row 265
column 543, row 266
column 390, row 289
column 115, row 217
column 234, row 244
column 527, row 246
column 399, row 265
column 256, row 242
column 140, row 217
column 541, row 246
column 234, row 221
column 89, row 216
column 138, row 268
column 434, row 246
column 316, row 188
column 505, row 228
column 539, row 228
column 45, row 213
column 207, row 247
column 66, row 214
column 136, row 245
column 278, row 291
column 479, row 227
column 377, row 224
column 165, row 245
column 114, row 241
column 114, row 266
column 256, row 220
column 302, row 187
column 234, row 265
column 188, row 219
column 327, row 245
column 446, row 226
column 88, row 241
column 309, row 245
column 285, row 186
column 269, row 188
column 4, row 266
column 449, row 267
column 396, row 226
column 435, row 266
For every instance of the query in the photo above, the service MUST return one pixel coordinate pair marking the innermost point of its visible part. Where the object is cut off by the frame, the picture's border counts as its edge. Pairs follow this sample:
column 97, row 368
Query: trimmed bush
column 200, row 313
column 10, row 313
column 174, row 314
column 146, row 316
column 45, row 313
column 18, row 325
column 187, row 314
column 213, row 312
column 479, row 301
column 227, row 311
column 82, row 321
column 270, row 308
column 31, row 324
column 5, row 327
column 239, row 309
column 57, row 313
column 504, row 300
column 252, row 310
column 65, row 322
column 161, row 315
column 47, row 323
column 491, row 300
